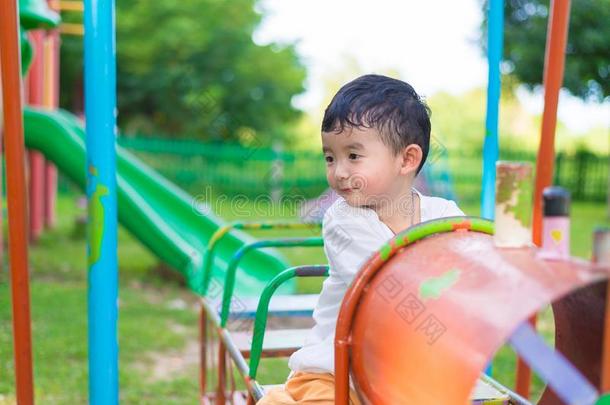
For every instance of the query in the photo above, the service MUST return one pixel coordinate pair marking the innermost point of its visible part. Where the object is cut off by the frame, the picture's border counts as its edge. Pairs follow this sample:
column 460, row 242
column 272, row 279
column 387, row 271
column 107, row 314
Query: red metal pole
column 553, row 79
column 222, row 373
column 203, row 363
column 1, row 193
column 604, row 384
column 557, row 35
column 51, row 101
column 602, row 258
column 14, row 150
column 36, row 159
column 50, row 200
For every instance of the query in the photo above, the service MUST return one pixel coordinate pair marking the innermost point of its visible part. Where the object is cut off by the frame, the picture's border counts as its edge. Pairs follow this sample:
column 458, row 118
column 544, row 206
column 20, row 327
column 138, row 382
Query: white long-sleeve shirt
column 351, row 235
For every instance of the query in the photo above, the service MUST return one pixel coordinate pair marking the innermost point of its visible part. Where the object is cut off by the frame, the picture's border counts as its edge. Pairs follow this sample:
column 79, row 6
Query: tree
column 587, row 68
column 191, row 68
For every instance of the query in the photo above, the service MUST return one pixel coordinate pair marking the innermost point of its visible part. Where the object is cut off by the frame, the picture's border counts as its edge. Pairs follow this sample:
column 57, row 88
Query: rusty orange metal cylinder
column 425, row 324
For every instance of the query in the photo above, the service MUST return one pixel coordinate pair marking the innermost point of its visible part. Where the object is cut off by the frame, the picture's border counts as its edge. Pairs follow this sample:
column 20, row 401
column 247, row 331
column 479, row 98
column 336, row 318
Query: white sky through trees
column 432, row 44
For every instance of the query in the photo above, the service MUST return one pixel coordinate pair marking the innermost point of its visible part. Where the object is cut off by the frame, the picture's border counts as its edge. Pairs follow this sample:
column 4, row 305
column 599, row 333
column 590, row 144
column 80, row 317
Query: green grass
column 158, row 316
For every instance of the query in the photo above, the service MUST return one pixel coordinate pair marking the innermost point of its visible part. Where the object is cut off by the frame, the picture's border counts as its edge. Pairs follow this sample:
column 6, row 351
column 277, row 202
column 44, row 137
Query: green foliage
column 71, row 67
column 587, row 69
column 458, row 121
column 190, row 68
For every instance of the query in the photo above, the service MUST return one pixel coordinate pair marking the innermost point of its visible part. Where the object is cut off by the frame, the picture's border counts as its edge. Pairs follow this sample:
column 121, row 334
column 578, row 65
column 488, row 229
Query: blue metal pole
column 495, row 22
column 495, row 34
column 100, row 106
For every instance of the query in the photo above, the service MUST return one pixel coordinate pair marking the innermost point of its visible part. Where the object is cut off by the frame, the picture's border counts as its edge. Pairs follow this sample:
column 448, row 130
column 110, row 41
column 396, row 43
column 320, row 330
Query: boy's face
column 362, row 169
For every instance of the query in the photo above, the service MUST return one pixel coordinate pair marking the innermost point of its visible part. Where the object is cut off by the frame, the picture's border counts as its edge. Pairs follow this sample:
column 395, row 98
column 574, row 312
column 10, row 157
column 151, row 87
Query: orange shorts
column 306, row 388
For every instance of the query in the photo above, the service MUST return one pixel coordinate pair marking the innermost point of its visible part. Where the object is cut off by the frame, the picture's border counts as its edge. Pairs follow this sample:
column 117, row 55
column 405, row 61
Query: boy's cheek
column 329, row 177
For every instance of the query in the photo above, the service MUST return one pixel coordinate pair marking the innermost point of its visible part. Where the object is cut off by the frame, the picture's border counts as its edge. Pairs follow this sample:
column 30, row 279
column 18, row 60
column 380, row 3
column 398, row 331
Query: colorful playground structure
column 420, row 322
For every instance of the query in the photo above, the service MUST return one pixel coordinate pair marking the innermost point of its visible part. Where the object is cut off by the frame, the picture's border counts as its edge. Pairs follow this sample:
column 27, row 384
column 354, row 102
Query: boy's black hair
column 389, row 105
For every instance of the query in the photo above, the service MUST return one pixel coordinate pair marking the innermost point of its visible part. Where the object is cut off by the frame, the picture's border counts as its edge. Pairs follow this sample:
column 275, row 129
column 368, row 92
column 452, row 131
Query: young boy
column 375, row 136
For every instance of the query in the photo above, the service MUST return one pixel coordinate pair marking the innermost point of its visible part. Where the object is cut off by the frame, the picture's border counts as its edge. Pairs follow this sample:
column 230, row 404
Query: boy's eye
column 353, row 156
column 328, row 159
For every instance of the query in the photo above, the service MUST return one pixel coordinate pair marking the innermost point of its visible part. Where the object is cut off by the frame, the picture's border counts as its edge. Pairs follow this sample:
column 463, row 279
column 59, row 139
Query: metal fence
column 232, row 169
column 582, row 172
column 235, row 170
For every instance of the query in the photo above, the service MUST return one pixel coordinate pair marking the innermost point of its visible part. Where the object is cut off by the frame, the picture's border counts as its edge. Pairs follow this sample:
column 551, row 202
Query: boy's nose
column 341, row 172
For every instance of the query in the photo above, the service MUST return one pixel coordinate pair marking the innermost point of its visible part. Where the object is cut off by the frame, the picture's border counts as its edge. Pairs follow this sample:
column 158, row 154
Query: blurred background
column 225, row 99
column 196, row 74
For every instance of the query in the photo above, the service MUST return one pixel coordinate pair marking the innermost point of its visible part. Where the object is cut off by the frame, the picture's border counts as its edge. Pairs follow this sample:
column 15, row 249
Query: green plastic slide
column 157, row 212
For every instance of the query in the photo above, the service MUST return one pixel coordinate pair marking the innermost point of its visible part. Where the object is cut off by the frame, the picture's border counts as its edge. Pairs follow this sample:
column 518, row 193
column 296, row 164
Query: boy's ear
column 411, row 158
